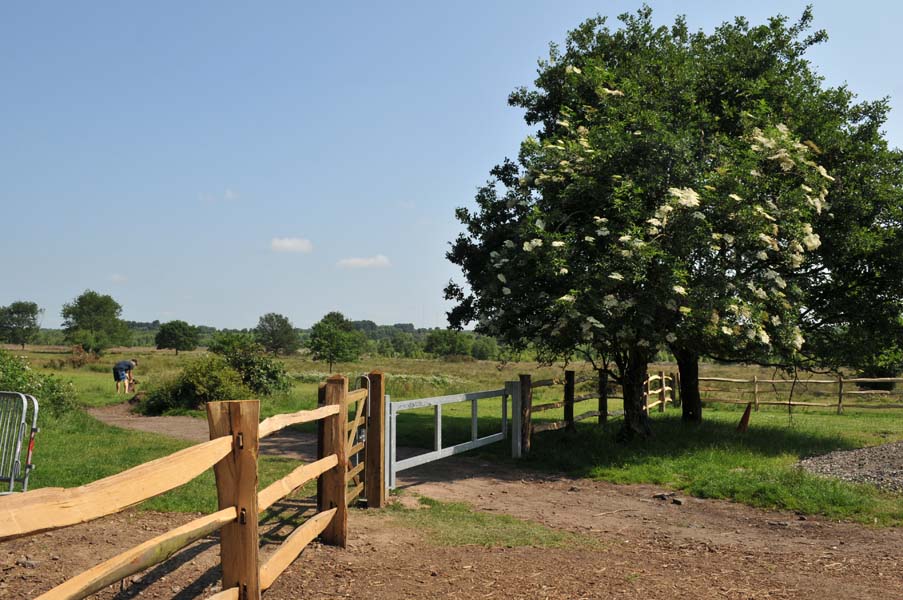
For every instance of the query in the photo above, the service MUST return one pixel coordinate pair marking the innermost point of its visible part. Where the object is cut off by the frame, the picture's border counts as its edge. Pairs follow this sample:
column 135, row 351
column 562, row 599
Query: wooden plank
column 652, row 405
column 353, row 493
column 547, row 406
column 357, row 395
column 279, row 561
column 375, row 449
column 526, row 412
column 585, row 397
column 872, row 393
column 354, row 472
column 726, row 380
column 549, row 426
column 800, row 381
column 870, row 406
column 230, row 594
column 147, row 554
column 291, row 482
column 545, row 383
column 51, row 508
column 236, row 485
column 355, row 449
column 586, row 415
column 333, row 480
column 875, row 380
column 274, row 424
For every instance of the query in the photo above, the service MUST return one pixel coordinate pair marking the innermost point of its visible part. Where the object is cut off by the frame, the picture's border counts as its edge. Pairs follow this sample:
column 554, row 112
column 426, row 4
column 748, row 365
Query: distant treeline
column 402, row 340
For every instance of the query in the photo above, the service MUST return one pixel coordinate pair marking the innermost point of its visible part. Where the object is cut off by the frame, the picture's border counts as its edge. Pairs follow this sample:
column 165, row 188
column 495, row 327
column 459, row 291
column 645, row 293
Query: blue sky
column 214, row 161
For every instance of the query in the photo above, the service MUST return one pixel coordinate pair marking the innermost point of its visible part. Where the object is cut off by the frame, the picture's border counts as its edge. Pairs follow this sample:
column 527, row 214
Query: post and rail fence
column 235, row 432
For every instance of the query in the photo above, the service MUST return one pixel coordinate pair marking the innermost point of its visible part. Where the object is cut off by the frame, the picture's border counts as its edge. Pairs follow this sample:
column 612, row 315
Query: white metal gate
column 393, row 408
column 16, row 410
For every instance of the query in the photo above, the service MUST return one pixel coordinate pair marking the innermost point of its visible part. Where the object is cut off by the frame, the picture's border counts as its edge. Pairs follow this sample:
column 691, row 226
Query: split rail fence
column 235, row 432
column 776, row 392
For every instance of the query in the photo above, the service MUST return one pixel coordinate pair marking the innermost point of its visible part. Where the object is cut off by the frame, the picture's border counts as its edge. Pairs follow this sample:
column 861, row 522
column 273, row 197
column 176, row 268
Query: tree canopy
column 658, row 204
column 92, row 320
column 177, row 335
column 332, row 339
column 19, row 322
column 277, row 334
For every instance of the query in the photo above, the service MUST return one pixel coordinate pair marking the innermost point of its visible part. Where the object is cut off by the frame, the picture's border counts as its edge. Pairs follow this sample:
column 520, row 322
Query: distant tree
column 262, row 374
column 277, row 334
column 93, row 321
column 406, row 345
column 177, row 335
column 19, row 322
column 484, row 348
column 446, row 342
column 332, row 339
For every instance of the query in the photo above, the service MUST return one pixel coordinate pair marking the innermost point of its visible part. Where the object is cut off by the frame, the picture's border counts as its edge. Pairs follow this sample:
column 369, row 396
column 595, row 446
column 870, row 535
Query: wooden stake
column 756, row 392
column 333, row 481
column 569, row 386
column 526, row 412
column 236, row 485
column 375, row 450
column 662, row 394
column 840, row 394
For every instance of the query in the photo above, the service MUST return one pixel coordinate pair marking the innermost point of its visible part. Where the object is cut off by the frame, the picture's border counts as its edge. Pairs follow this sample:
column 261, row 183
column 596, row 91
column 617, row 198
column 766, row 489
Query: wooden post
column 756, row 392
column 602, row 389
column 840, row 394
column 526, row 412
column 662, row 394
column 569, row 386
column 321, row 432
column 333, row 480
column 512, row 388
column 236, row 485
column 375, row 448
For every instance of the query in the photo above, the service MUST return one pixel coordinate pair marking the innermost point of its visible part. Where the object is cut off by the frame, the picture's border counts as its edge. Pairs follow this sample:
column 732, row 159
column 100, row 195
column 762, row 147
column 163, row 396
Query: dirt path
column 647, row 549
column 287, row 443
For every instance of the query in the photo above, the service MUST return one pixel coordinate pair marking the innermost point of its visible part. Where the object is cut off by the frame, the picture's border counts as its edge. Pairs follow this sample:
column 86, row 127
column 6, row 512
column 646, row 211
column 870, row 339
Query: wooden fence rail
column 842, row 392
column 235, row 431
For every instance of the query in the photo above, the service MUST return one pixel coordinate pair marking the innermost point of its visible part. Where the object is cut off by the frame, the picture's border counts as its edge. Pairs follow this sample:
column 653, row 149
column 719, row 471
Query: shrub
column 207, row 379
column 54, row 395
column 262, row 374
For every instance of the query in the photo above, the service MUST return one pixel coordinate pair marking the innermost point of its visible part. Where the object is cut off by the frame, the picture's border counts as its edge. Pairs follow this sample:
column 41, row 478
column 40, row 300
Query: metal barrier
column 16, row 410
column 438, row 452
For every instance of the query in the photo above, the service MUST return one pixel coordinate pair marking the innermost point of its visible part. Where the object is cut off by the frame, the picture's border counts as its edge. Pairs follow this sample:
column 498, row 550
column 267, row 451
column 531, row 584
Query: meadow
column 710, row 460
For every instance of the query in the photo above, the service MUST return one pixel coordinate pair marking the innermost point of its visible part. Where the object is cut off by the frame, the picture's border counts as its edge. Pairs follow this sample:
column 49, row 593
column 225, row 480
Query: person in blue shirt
column 122, row 373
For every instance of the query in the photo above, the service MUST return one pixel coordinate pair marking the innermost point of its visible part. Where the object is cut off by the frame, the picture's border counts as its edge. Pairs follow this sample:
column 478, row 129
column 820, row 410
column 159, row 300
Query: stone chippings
column 881, row 466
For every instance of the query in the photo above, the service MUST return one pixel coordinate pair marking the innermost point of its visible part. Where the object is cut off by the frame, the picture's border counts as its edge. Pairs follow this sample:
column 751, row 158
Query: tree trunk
column 690, row 400
column 633, row 376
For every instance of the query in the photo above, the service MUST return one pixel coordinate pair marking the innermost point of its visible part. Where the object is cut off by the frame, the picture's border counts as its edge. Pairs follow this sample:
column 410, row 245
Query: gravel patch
column 881, row 466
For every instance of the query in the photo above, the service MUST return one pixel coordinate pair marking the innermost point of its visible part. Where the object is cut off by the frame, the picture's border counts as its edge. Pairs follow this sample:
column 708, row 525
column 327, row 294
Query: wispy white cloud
column 291, row 244
column 229, row 195
column 117, row 278
column 379, row 261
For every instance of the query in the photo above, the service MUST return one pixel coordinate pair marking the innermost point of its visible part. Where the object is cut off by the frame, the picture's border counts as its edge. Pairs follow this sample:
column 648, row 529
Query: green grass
column 455, row 524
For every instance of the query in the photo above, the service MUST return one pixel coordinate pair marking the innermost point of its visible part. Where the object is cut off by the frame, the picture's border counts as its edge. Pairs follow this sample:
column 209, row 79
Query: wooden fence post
column 512, row 388
column 756, row 391
column 236, row 485
column 321, row 433
column 375, row 444
column 840, row 394
column 569, row 385
column 662, row 394
column 332, row 482
column 602, row 389
column 526, row 412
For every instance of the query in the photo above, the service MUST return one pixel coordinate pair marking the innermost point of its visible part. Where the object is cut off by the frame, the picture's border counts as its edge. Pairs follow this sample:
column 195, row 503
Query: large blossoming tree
column 638, row 216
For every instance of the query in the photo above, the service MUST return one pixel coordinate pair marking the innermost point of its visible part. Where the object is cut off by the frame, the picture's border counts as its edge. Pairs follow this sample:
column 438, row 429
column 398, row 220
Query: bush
column 54, row 395
column 207, row 379
column 262, row 374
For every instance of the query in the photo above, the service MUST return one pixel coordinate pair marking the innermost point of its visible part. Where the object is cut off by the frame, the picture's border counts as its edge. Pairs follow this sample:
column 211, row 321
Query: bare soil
column 647, row 548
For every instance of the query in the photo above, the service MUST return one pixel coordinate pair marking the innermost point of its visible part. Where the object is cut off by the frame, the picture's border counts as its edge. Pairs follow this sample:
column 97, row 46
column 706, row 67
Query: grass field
column 710, row 460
